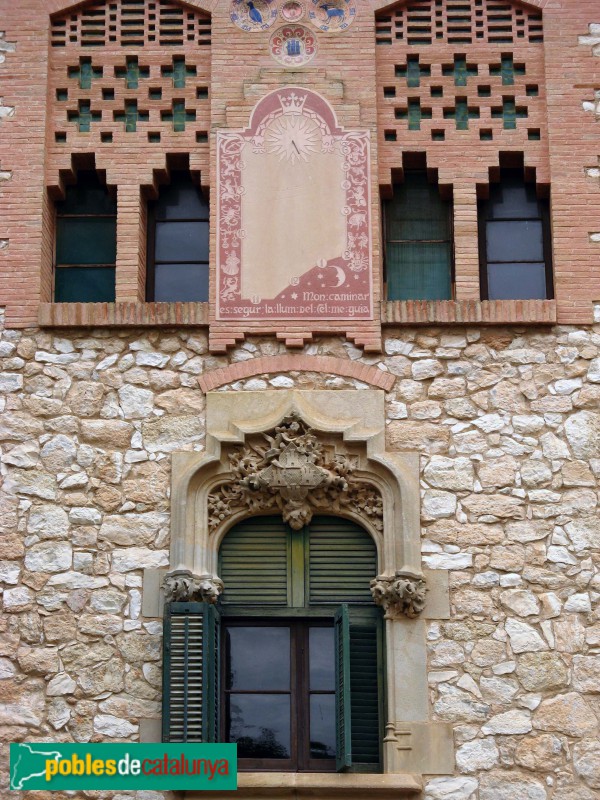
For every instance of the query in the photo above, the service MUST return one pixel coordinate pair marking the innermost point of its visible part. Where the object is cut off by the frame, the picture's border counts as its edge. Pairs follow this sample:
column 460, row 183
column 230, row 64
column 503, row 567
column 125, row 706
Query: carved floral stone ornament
column 184, row 587
column 289, row 470
column 399, row 594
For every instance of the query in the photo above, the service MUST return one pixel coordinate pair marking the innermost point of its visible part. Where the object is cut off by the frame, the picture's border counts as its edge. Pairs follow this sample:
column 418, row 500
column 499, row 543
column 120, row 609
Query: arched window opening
column 86, row 242
column 294, row 649
column 515, row 249
column 418, row 240
column 178, row 241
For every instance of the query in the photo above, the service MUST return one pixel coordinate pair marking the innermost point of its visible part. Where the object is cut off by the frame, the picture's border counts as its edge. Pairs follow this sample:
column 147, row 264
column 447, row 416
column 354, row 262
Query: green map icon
column 30, row 762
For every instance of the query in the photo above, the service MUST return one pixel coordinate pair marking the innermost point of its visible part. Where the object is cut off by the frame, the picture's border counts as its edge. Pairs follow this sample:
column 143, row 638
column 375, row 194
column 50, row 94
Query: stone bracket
column 401, row 594
column 184, row 587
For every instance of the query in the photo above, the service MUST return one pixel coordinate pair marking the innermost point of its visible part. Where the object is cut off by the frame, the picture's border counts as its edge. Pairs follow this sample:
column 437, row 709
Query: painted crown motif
column 292, row 103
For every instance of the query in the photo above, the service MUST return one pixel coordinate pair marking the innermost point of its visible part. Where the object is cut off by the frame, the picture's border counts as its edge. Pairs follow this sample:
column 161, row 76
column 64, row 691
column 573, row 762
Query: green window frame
column 276, row 576
column 418, row 240
column 86, row 242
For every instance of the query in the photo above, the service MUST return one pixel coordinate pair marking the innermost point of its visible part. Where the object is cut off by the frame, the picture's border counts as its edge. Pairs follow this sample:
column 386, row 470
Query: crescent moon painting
column 340, row 275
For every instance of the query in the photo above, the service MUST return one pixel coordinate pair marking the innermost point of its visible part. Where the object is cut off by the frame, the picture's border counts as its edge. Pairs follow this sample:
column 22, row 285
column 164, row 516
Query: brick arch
column 300, row 363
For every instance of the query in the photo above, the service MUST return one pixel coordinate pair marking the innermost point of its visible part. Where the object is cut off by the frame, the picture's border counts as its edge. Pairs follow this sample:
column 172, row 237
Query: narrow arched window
column 418, row 240
column 291, row 655
column 514, row 241
column 178, row 242
column 86, row 242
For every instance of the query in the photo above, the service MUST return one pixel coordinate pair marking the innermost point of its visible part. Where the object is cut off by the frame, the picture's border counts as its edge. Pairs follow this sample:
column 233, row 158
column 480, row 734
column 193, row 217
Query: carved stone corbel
column 399, row 594
column 184, row 587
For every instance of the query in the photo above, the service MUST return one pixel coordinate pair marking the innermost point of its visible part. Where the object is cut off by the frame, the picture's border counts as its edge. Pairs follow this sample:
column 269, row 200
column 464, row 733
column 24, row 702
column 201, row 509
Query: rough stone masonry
column 508, row 424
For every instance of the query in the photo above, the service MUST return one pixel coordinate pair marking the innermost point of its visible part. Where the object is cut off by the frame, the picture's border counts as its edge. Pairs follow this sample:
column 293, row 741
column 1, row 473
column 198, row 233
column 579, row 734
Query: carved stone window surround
column 354, row 418
column 354, row 423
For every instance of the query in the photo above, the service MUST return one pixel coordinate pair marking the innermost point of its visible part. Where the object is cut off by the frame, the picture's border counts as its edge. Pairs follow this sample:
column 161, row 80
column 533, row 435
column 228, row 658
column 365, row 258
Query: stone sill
column 320, row 784
column 99, row 315
column 469, row 312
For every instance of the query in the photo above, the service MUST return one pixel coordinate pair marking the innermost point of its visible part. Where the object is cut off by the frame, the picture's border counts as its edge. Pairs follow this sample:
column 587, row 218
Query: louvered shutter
column 343, row 561
column 253, row 563
column 343, row 702
column 365, row 679
column 191, row 672
column 357, row 671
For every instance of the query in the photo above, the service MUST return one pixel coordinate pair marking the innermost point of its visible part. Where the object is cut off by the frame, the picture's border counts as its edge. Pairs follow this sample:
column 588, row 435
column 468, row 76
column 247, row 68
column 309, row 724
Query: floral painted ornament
column 293, row 45
column 253, row 15
column 331, row 16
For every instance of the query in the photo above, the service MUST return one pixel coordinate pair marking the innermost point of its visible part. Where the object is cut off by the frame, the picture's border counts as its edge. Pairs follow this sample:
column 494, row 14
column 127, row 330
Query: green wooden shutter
column 366, row 667
column 190, row 672
column 343, row 706
column 253, row 563
column 358, row 671
column 343, row 561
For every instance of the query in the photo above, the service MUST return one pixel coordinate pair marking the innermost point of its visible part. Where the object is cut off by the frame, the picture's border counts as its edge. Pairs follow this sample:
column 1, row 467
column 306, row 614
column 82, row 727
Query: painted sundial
column 332, row 15
column 293, row 45
column 254, row 15
column 293, row 214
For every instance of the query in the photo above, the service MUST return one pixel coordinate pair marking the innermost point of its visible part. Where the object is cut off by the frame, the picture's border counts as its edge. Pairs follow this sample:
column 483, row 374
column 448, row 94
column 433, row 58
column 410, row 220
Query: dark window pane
column 258, row 658
column 419, row 271
column 321, row 659
column 513, row 198
column 181, row 200
column 89, row 196
column 322, row 726
column 181, row 282
column 86, row 241
column 260, row 725
column 517, row 281
column 515, row 241
column 181, row 241
column 85, row 285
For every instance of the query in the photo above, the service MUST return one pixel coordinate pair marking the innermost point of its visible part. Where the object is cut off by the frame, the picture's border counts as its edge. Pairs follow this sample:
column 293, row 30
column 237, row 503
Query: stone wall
column 508, row 426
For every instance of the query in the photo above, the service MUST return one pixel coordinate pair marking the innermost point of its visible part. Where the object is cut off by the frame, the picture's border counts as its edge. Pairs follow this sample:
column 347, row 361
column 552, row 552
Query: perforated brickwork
column 448, row 67
column 423, row 22
column 130, row 23
column 130, row 67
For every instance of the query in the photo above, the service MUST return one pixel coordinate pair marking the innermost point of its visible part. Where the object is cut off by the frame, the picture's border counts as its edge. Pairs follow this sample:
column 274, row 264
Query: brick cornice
column 297, row 363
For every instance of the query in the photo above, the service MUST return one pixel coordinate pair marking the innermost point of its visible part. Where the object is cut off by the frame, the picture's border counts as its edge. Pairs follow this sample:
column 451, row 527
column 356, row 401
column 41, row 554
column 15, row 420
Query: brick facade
column 556, row 76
